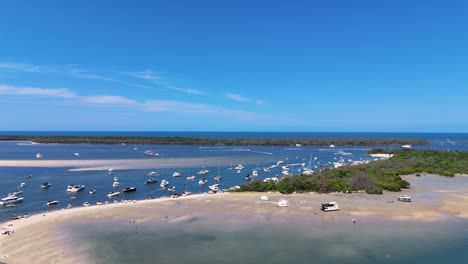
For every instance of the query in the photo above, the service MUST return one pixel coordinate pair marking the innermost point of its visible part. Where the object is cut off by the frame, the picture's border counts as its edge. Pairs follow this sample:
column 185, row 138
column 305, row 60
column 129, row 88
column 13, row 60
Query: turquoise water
column 198, row 241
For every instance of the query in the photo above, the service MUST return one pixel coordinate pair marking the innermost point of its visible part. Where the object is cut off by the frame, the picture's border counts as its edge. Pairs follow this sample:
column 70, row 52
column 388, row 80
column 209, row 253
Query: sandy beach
column 38, row 239
column 125, row 164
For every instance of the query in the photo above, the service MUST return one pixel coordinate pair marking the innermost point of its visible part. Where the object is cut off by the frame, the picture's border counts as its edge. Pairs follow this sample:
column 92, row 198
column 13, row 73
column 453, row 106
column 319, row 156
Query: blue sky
column 234, row 65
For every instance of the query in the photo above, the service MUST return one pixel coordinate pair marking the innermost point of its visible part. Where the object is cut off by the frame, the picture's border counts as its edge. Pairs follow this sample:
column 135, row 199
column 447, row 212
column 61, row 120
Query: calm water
column 35, row 197
column 200, row 242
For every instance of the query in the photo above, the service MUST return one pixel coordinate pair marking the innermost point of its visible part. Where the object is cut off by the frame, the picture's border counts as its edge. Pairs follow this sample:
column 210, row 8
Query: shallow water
column 202, row 241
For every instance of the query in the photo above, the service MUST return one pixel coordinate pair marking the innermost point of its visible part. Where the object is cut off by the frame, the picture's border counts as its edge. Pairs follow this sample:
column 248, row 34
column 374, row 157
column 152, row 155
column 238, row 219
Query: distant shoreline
column 140, row 140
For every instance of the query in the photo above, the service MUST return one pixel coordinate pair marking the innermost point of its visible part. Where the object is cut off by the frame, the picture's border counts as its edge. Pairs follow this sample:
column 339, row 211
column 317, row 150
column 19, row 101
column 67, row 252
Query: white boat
column 85, row 204
column 255, row 173
column 112, row 194
column 202, row 181
column 51, row 202
column 266, row 169
column 330, row 206
column 116, row 178
column 285, row 172
column 214, row 187
column 164, row 183
column 39, row 156
column 76, row 154
column 171, row 189
column 283, row 203
column 75, row 188
column 92, row 192
column 45, row 185
column 406, row 147
column 248, row 177
column 99, row 203
column 176, row 174
column 15, row 193
column 149, row 153
column 264, row 198
column 69, row 206
column 239, row 167
column 116, row 184
column 332, row 146
column 239, row 171
column 404, row 198
column 191, row 178
column 22, row 184
column 203, row 172
column 217, row 178
column 152, row 173
column 279, row 162
column 11, row 199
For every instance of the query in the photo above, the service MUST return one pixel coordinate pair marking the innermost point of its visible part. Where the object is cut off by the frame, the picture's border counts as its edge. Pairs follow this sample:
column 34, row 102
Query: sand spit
column 122, row 164
column 39, row 238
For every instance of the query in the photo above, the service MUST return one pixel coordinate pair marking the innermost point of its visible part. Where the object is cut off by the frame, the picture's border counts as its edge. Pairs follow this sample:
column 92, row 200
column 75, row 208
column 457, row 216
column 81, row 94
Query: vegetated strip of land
column 213, row 141
column 373, row 177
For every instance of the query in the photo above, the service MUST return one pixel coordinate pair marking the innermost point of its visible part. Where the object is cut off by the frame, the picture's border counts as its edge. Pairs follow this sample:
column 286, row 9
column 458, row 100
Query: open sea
column 199, row 242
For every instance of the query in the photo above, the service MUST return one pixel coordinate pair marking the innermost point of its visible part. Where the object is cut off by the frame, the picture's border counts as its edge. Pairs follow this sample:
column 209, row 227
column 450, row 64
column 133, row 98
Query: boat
column 330, row 206
column 171, row 189
column 285, row 172
column 76, row 154
column 247, row 177
column 239, row 171
column 112, row 194
column 11, row 199
column 115, row 184
column 22, row 184
column 202, row 181
column 116, row 178
column 214, row 187
column 69, row 206
column 239, row 167
column 85, row 204
column 203, row 172
column 99, row 203
column 16, row 193
column 279, row 162
column 45, row 185
column 191, row 178
column 176, row 174
column 404, row 198
column 255, row 173
column 264, row 198
column 128, row 189
column 149, row 153
column 28, row 176
column 217, row 178
column 152, row 173
column 75, row 188
column 151, row 181
column 266, row 169
column 332, row 146
column 51, row 202
column 164, row 183
column 282, row 203
column 92, row 192
column 407, row 147
column 39, row 156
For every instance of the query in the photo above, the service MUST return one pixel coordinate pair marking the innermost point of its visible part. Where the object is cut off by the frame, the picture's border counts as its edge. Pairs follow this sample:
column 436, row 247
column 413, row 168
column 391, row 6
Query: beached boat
column 69, row 206
column 11, row 199
column 282, row 203
column 151, row 181
column 75, row 188
column 202, row 181
column 176, row 174
column 99, row 203
column 264, row 198
column 51, row 202
column 128, row 189
column 330, row 206
column 112, row 194
column 45, row 185
column 404, row 198
column 85, row 204
column 164, row 183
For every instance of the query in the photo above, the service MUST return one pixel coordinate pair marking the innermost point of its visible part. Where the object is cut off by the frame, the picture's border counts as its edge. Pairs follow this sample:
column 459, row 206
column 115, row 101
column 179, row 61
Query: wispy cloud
column 243, row 99
column 107, row 99
column 33, row 91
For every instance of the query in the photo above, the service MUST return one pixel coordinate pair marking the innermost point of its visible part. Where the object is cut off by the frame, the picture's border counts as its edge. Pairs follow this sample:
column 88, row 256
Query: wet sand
column 124, row 164
column 38, row 239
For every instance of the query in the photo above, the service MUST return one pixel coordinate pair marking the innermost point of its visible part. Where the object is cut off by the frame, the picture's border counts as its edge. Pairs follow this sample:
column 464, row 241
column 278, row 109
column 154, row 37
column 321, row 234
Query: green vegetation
column 373, row 177
column 214, row 141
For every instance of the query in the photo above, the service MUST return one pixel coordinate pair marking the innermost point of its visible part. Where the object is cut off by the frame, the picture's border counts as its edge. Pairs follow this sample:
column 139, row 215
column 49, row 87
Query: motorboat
column 151, row 181
column 115, row 184
column 75, row 188
column 217, row 178
column 99, row 203
column 266, row 169
column 255, row 173
column 152, row 173
column 51, row 202
column 171, row 189
column 176, row 174
column 69, row 206
column 203, row 172
column 76, row 154
column 264, row 198
column 285, row 172
column 149, row 153
column 164, row 183
column 16, row 193
column 282, row 203
column 202, row 181
column 247, row 177
column 332, row 146
column 112, row 194
column 11, row 199
column 39, row 156
column 404, row 198
column 239, row 171
column 239, row 167
column 407, row 147
column 330, row 206
column 22, row 184
column 214, row 187
column 116, row 178
column 279, row 162
column 92, row 192
column 191, row 178
column 85, row 204
column 45, row 185
column 128, row 189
